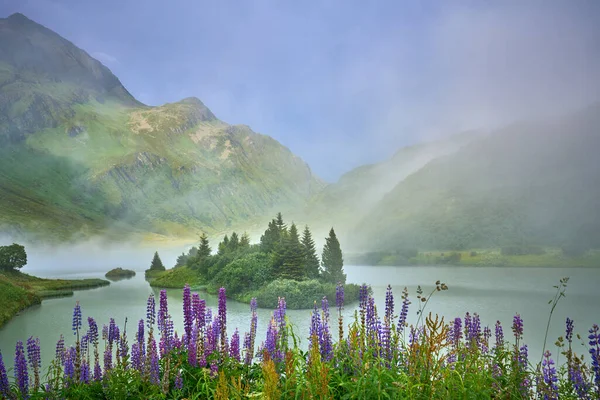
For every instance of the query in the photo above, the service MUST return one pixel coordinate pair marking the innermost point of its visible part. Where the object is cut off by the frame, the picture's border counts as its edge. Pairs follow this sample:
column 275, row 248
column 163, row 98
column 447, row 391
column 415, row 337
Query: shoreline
column 19, row 291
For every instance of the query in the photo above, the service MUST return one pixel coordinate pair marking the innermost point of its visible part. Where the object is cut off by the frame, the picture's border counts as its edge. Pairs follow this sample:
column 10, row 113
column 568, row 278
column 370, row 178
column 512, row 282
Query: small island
column 119, row 273
column 283, row 264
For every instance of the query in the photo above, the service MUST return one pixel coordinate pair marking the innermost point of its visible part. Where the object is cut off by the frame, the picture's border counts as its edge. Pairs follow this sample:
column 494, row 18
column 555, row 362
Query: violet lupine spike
column 163, row 311
column 201, row 315
column 84, row 377
column 499, row 335
column 457, row 332
column 594, row 337
column 69, row 371
column 150, row 312
column 92, row 331
column 473, row 330
column 326, row 342
column 363, row 293
column 153, row 364
column 136, row 359
column 569, row 331
column 271, row 340
column 389, row 304
column 517, row 327
column 234, row 347
column 178, row 381
column 208, row 317
column 107, row 358
column 76, row 318
column 485, row 343
column 222, row 312
column 192, row 352
column 33, row 353
column 339, row 297
column 195, row 306
column 550, row 379
column 468, row 329
column 4, row 385
column 97, row 371
column 188, row 316
column 523, row 357
column 250, row 337
column 404, row 310
column 21, row 372
column 60, row 349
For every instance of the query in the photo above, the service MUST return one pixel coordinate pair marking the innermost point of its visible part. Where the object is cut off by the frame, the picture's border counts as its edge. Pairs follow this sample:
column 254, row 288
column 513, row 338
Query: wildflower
column 271, row 340
column 178, row 381
column 517, row 327
column 550, row 388
column 569, row 332
column 69, row 370
column 404, row 310
column 389, row 303
column 594, row 338
column 251, row 336
column 456, row 332
column 339, row 297
column 33, row 353
column 499, row 334
column 153, row 362
column 234, row 348
column 4, row 385
column 214, row 369
column 188, row 317
column 523, row 357
column 223, row 317
column 325, row 338
column 21, row 373
column 150, row 311
column 163, row 311
column 84, row 377
column 76, row 318
column 193, row 347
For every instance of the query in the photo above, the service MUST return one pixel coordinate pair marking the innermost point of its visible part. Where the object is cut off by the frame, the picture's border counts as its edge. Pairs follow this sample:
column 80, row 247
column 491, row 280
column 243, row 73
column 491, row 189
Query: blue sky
column 343, row 83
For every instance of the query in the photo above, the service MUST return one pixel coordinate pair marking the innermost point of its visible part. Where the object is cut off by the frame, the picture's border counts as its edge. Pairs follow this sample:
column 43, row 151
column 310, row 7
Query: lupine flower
column 60, row 348
column 208, row 317
column 468, row 329
column 192, row 352
column 163, row 311
column 234, row 347
column 250, row 338
column 223, row 317
column 21, row 374
column 69, row 371
column 84, row 377
column 339, row 297
column 389, row 303
column 517, row 327
column 404, row 310
column 569, row 332
column 271, row 340
column 523, row 356
column 140, row 337
column 178, row 381
column 456, row 331
column 499, row 334
column 33, row 353
column 76, row 318
column 188, row 317
column 550, row 388
column 595, row 354
column 4, row 385
column 214, row 368
column 363, row 293
column 150, row 311
column 325, row 338
column 153, row 364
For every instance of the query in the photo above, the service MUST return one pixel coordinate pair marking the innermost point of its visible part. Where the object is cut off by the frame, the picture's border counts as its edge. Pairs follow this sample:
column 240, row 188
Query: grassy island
column 284, row 263
column 19, row 291
column 120, row 273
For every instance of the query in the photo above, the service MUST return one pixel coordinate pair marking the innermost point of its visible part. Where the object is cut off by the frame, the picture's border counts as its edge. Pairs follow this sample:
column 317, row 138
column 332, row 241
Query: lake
column 493, row 293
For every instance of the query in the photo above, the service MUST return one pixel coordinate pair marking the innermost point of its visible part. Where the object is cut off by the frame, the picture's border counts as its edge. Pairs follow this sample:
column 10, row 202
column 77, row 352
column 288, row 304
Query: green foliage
column 177, row 278
column 301, row 294
column 244, row 274
column 292, row 257
column 333, row 262
column 12, row 257
column 117, row 273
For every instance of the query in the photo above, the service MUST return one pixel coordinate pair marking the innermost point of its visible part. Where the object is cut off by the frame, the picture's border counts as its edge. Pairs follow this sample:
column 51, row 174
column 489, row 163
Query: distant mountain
column 528, row 184
column 79, row 156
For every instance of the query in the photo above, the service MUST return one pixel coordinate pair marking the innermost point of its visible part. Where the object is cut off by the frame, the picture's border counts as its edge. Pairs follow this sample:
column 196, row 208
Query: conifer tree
column 245, row 241
column 204, row 250
column 223, row 246
column 311, row 260
column 157, row 264
column 292, row 256
column 332, row 259
column 234, row 242
column 270, row 239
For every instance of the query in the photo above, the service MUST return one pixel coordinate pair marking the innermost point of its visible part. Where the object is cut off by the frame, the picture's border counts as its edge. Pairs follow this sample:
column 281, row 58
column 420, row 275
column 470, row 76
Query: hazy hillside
column 80, row 156
column 528, row 184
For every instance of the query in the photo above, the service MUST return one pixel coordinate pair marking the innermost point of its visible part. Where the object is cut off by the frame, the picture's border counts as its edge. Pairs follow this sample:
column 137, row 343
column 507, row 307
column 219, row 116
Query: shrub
column 302, row 294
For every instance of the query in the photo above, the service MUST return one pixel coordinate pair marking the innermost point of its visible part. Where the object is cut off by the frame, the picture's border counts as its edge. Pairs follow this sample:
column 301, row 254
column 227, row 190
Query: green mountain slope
column 343, row 204
column 529, row 184
column 79, row 156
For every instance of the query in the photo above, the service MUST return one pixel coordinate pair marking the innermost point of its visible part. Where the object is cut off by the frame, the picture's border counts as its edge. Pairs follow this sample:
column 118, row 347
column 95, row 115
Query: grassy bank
column 546, row 257
column 120, row 273
column 175, row 278
column 19, row 291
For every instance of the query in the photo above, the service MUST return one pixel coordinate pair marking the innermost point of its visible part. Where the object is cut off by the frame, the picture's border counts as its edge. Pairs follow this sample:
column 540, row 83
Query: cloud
column 105, row 58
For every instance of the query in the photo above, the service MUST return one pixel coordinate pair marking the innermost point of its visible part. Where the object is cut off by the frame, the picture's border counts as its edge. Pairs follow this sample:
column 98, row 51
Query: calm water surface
column 493, row 293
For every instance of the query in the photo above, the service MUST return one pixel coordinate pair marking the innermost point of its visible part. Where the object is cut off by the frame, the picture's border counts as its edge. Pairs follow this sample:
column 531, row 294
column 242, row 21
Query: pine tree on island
column 332, row 260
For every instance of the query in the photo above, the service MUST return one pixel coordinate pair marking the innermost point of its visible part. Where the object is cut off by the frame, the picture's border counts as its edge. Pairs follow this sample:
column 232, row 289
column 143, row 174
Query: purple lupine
column 594, row 338
column 326, row 341
column 363, row 293
column 192, row 352
column 456, row 332
column 389, row 304
column 76, row 318
column 188, row 316
column 140, row 338
column 150, row 312
column 522, row 358
column 208, row 317
column 153, row 364
column 178, row 381
column 475, row 330
column 517, row 327
column 550, row 388
column 4, row 385
column 69, row 371
column 222, row 312
column 234, row 347
column 569, row 331
column 93, row 338
column 214, row 368
column 271, row 340
column 163, row 311
column 33, row 353
column 123, row 346
column 84, row 377
column 60, row 349
column 201, row 315
column 403, row 310
column 499, row 335
column 468, row 329
column 339, row 297
column 195, row 306
column 485, row 343
column 21, row 373
column 251, row 337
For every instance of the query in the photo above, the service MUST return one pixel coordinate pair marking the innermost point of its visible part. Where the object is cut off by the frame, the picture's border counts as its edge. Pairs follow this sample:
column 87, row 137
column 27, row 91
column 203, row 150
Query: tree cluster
column 12, row 257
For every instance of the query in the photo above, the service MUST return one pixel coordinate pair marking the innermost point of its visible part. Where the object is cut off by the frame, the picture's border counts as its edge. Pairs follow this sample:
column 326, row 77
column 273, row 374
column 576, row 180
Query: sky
column 343, row 82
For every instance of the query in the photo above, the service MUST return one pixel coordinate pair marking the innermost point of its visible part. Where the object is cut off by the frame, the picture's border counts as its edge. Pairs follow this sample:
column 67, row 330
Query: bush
column 302, row 294
column 244, row 274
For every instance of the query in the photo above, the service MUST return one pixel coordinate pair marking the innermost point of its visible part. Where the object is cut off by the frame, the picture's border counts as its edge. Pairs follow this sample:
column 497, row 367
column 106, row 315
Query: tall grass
column 377, row 355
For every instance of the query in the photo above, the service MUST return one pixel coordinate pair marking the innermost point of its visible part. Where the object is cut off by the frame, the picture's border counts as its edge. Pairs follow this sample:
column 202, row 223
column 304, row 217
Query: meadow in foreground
column 375, row 356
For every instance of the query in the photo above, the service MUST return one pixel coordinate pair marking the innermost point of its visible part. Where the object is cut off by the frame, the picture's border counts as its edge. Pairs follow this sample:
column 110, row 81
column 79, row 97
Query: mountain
column 345, row 203
column 530, row 184
column 80, row 156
